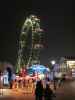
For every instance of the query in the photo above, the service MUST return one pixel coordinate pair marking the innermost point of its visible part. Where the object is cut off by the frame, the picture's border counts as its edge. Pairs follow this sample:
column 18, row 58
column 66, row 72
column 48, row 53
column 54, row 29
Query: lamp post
column 53, row 62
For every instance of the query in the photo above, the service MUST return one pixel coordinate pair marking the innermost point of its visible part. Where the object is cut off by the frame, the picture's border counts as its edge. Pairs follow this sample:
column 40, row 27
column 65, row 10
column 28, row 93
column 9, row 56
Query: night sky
column 57, row 20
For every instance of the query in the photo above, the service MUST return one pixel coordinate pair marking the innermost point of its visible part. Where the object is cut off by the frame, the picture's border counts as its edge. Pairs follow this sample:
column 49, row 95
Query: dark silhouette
column 55, row 83
column 9, row 76
column 39, row 91
column 9, row 73
column 48, row 93
column 61, row 81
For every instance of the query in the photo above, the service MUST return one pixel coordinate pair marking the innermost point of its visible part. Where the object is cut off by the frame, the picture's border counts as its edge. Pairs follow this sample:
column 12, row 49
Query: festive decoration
column 30, row 43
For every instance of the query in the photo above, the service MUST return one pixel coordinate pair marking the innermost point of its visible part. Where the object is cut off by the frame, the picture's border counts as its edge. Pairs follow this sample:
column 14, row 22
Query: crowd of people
column 41, row 88
column 45, row 91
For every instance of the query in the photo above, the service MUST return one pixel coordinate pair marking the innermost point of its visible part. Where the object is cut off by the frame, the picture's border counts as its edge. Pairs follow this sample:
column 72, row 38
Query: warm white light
column 53, row 62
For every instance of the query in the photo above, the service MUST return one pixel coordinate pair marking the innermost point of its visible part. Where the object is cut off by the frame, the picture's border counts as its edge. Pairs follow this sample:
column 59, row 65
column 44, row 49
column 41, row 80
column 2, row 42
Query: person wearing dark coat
column 48, row 93
column 39, row 91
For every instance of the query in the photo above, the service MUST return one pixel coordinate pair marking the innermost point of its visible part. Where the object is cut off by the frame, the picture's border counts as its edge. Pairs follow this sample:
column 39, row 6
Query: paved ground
column 67, row 92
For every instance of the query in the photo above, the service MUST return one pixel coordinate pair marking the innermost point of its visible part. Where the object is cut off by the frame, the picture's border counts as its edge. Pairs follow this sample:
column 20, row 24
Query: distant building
column 68, row 65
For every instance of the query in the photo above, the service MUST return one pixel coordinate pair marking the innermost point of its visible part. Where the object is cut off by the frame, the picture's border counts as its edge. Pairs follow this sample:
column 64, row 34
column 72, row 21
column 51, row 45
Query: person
column 59, row 82
column 9, row 71
column 39, row 91
column 0, row 79
column 54, row 82
column 48, row 93
column 1, row 83
column 5, row 78
column 13, row 77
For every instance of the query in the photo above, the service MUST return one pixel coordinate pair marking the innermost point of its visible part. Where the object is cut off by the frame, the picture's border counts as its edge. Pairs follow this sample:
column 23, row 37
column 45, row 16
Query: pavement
column 65, row 92
column 16, row 94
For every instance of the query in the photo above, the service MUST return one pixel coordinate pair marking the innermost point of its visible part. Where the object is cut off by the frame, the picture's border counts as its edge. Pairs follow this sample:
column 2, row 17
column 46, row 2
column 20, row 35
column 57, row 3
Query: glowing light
column 53, row 62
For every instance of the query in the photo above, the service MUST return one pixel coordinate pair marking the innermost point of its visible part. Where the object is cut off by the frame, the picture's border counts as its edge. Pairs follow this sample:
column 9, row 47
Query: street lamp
column 53, row 62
